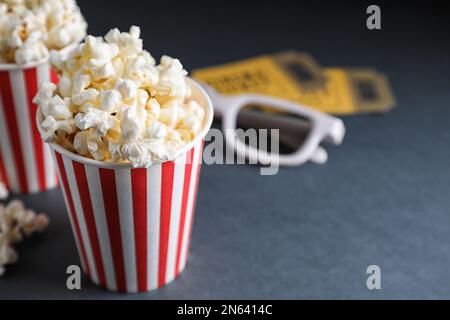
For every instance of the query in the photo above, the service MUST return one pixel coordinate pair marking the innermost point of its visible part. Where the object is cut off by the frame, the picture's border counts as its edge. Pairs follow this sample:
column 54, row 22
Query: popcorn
column 163, row 150
column 95, row 118
column 86, row 143
column 115, row 150
column 7, row 255
column 114, row 104
column 29, row 29
column 65, row 86
column 132, row 123
column 80, row 143
column 141, row 98
column 185, row 135
column 85, row 96
column 129, row 43
column 15, row 222
column 31, row 51
column 110, row 100
column 156, row 130
column 138, row 153
column 171, row 78
column 154, row 107
column 140, row 70
column 100, row 69
column 191, row 122
column 45, row 93
column 127, row 88
column 96, row 147
column 80, row 82
column 99, row 50
column 171, row 114
column 51, row 125
column 59, row 108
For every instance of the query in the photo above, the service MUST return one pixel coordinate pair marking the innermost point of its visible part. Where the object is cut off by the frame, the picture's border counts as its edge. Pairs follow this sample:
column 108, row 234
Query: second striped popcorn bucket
column 26, row 164
column 132, row 226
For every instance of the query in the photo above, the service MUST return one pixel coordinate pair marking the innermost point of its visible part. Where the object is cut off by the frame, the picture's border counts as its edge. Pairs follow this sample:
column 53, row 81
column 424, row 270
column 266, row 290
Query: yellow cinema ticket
column 297, row 77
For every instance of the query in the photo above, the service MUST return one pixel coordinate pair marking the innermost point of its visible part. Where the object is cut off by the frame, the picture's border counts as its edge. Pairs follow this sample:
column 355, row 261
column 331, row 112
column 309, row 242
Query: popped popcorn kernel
column 16, row 222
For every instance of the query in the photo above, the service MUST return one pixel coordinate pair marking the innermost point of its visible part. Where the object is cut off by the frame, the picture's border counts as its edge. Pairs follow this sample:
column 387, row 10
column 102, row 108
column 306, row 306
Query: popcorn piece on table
column 15, row 222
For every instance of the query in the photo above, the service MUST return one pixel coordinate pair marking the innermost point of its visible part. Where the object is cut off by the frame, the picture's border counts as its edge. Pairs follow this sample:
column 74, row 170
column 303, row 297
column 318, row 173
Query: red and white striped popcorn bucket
column 132, row 226
column 26, row 164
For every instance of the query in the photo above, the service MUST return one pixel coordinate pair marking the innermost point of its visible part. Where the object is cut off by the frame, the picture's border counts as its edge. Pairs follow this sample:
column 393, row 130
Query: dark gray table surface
column 307, row 232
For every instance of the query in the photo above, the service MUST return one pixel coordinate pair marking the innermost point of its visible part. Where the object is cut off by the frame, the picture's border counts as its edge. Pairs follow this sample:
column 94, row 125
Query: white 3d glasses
column 321, row 127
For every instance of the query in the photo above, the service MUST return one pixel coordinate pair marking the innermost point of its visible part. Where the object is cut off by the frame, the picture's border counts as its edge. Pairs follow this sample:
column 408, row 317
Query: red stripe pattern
column 86, row 203
column 115, row 239
column 71, row 209
column 166, row 209
column 139, row 198
column 194, row 202
column 25, row 161
column 109, row 195
column 186, row 185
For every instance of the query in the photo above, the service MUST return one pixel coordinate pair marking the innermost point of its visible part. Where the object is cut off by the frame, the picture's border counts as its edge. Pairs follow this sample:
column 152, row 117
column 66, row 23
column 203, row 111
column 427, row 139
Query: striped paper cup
column 132, row 226
column 26, row 164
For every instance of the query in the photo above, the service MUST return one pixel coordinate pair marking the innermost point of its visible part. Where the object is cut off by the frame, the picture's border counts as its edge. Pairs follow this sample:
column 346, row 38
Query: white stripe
column 72, row 223
column 177, row 198
column 7, row 151
column 189, row 207
column 153, row 223
column 96, row 194
column 43, row 75
column 124, row 199
column 50, row 176
column 80, row 216
column 25, row 133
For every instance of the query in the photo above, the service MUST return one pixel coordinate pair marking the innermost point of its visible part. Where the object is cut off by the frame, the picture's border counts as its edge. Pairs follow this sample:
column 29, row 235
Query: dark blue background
column 308, row 232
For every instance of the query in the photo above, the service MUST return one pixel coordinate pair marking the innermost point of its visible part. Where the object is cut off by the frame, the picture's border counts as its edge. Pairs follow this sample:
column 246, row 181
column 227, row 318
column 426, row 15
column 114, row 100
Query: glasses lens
column 292, row 129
